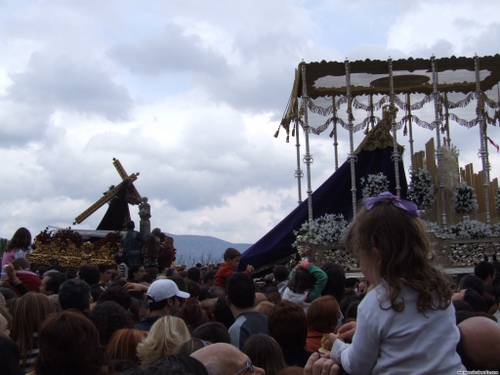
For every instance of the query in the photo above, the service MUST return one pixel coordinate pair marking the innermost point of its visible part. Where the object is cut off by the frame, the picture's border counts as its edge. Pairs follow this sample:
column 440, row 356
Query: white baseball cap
column 163, row 289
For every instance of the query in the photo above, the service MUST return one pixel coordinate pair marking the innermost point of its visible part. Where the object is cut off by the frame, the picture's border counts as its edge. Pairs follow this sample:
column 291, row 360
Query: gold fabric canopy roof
column 326, row 88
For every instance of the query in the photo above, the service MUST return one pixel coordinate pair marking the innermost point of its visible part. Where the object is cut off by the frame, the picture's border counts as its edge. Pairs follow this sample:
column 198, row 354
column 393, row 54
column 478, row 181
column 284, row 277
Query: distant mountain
column 192, row 249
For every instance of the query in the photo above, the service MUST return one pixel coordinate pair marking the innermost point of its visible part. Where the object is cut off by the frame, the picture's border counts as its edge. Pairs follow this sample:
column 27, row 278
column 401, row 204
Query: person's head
column 29, row 311
column 152, row 247
column 108, row 317
column 165, row 295
column 323, row 314
column 216, row 292
column 130, row 225
column 21, row 264
column 362, row 287
column 164, row 336
column 212, row 332
column 475, row 300
column 225, row 359
column 177, row 364
column 123, row 344
column 479, row 343
column 264, row 307
column 208, row 278
column 232, row 257
column 51, row 282
column 74, row 294
column 88, row 273
column 240, row 290
column 287, row 323
column 69, row 344
column 192, row 314
column 391, row 243
column 107, row 273
column 20, row 240
column 116, row 294
column 136, row 272
column 265, row 352
column 280, row 273
column 194, row 274
column 485, row 271
column 190, row 346
column 473, row 282
column 301, row 281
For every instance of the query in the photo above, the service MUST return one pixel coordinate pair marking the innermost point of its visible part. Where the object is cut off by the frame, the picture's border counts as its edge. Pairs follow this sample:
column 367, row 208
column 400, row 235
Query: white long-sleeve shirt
column 388, row 342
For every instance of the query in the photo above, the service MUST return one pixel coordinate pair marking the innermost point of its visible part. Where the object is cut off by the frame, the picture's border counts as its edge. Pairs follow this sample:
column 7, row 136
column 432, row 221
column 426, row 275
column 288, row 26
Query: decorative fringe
column 277, row 133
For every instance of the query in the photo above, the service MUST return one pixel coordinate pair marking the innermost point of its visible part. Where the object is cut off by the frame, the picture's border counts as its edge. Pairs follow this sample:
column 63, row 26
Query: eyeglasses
column 248, row 367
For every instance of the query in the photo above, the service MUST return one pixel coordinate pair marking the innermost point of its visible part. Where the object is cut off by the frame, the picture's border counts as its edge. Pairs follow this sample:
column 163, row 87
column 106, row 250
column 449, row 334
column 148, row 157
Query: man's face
column 43, row 287
column 109, row 275
column 234, row 262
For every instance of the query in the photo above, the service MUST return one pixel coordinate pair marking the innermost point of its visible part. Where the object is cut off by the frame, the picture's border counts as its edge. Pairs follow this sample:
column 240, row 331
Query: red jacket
column 223, row 273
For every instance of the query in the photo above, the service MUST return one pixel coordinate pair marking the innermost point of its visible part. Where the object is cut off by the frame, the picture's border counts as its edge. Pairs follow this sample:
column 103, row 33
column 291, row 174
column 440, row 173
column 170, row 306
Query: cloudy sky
column 189, row 93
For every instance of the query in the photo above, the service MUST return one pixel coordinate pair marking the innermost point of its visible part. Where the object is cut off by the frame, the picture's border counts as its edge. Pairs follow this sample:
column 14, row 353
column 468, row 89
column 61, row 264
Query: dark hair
column 117, row 295
column 241, row 290
column 194, row 274
column 180, row 281
column 475, row 300
column 20, row 240
column 103, row 267
column 287, row 323
column 193, row 288
column 21, row 262
column 484, row 269
column 462, row 306
column 231, row 253
column 264, row 352
column 74, row 293
column 351, row 282
column 473, row 282
column 213, row 332
column 280, row 273
column 216, row 292
column 222, row 313
column 461, row 315
column 192, row 314
column 133, row 269
column 69, row 344
column 54, row 281
column 323, row 314
column 209, row 275
column 95, row 291
column 335, row 284
column 352, row 310
column 177, row 364
column 151, row 247
column 301, row 281
column 130, row 225
column 89, row 274
column 108, row 317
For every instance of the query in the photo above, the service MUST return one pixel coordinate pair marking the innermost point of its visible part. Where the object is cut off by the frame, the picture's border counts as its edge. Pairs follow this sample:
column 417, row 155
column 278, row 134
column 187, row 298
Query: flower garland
column 421, row 190
column 471, row 229
column 324, row 230
column 464, row 199
column 374, row 184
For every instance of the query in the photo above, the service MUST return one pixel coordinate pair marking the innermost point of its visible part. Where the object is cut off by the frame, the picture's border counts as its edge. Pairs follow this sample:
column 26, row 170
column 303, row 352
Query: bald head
column 223, row 359
column 479, row 343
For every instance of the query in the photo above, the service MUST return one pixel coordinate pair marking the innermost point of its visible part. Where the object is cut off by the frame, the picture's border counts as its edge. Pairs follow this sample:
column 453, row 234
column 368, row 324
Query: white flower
column 374, row 184
column 464, row 198
column 326, row 229
column 471, row 229
column 421, row 190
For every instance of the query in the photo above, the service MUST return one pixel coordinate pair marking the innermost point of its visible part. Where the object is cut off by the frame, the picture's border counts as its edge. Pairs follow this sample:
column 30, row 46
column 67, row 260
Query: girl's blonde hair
column 165, row 335
column 405, row 253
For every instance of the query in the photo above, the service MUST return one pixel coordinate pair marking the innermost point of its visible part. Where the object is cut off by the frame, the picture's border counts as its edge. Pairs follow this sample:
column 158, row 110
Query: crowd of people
column 141, row 315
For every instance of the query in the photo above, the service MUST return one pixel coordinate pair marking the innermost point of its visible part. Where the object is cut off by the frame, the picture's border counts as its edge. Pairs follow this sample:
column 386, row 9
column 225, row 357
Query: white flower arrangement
column 497, row 199
column 471, row 229
column 324, row 230
column 374, row 184
column 464, row 199
column 421, row 190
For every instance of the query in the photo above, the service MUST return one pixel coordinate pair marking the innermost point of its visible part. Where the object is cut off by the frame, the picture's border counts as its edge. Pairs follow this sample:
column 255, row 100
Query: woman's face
column 139, row 274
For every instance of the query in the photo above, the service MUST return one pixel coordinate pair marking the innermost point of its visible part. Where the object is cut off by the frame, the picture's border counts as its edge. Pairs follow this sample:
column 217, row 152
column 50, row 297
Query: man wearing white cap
column 164, row 298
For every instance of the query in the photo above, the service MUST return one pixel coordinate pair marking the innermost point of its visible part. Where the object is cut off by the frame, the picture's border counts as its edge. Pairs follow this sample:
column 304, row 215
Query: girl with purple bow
column 406, row 324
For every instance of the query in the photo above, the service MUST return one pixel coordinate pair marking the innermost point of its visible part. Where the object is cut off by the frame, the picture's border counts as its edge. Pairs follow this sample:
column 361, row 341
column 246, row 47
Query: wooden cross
column 133, row 196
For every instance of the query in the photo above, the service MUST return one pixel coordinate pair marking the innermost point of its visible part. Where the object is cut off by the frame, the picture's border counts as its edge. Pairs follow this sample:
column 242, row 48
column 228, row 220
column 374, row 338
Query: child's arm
column 320, row 283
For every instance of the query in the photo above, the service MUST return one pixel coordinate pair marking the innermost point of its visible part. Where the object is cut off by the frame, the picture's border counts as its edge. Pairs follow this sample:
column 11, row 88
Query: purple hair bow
column 410, row 207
